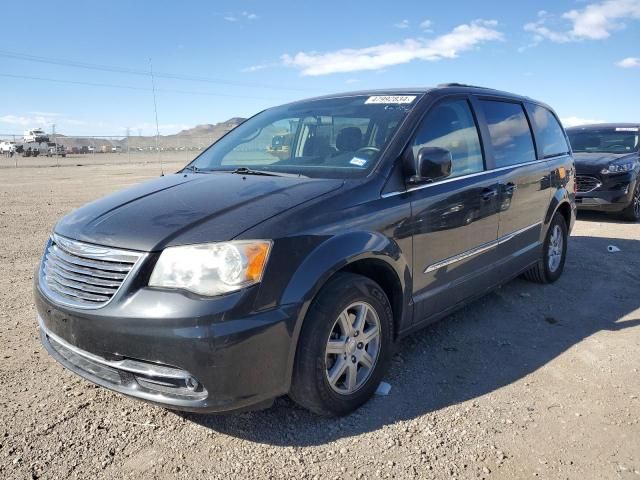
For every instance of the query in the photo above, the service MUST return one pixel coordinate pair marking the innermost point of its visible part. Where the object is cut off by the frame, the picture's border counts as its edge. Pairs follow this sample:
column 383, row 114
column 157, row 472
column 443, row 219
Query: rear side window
column 509, row 131
column 549, row 135
column 450, row 125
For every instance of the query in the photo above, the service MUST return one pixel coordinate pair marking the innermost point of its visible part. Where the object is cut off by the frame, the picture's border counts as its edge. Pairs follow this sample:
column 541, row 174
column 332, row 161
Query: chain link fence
column 98, row 150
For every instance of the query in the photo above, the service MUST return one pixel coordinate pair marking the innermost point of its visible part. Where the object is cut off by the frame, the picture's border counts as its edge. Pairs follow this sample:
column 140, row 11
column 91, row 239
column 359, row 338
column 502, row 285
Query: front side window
column 604, row 140
column 450, row 125
column 549, row 135
column 509, row 131
column 328, row 138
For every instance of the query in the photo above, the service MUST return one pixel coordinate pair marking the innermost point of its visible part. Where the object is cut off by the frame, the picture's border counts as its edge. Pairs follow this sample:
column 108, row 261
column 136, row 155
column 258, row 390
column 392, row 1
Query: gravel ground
column 529, row 381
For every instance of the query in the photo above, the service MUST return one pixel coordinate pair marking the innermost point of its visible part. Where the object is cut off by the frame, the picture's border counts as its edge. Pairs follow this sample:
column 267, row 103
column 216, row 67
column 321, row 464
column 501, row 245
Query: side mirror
column 431, row 164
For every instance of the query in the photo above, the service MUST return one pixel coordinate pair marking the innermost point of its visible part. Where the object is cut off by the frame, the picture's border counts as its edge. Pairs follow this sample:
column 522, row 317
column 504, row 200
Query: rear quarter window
column 509, row 132
column 550, row 138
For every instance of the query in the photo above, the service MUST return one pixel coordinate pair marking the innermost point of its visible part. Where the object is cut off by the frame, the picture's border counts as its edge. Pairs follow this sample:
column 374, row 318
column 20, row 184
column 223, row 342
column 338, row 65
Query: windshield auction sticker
column 390, row 99
column 627, row 129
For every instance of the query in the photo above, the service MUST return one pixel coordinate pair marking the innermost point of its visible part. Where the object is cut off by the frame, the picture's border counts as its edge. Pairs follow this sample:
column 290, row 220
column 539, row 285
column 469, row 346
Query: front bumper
column 613, row 195
column 176, row 351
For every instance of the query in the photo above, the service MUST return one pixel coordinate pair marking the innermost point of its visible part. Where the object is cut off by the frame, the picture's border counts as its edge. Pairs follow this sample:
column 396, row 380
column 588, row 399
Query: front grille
column 586, row 184
column 83, row 275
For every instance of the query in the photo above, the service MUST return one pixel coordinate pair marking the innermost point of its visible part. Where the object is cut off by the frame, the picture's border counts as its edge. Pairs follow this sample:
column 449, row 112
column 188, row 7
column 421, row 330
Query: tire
column 632, row 212
column 554, row 253
column 325, row 326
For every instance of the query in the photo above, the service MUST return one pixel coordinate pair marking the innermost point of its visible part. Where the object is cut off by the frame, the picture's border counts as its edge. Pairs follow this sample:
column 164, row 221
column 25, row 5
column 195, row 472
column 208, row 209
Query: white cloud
column 230, row 18
column 46, row 114
column 461, row 38
column 596, row 21
column 629, row 62
column 15, row 120
column 402, row 24
column 249, row 15
column 257, row 68
column 254, row 68
column 426, row 25
column 44, row 120
column 574, row 121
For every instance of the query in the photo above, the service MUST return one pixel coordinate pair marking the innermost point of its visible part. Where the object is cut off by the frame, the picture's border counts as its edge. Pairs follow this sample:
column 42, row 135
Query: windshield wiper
column 241, row 171
column 248, row 171
column 269, row 173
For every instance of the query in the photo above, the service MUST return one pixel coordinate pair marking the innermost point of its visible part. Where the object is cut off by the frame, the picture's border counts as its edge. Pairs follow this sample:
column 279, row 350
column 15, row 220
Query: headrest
column 349, row 139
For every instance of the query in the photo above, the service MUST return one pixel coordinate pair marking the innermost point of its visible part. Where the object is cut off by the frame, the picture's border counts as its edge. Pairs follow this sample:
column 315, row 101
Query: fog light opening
column 192, row 384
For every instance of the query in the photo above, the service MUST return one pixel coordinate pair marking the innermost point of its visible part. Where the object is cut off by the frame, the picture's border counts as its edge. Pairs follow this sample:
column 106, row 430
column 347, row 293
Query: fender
column 560, row 196
column 330, row 257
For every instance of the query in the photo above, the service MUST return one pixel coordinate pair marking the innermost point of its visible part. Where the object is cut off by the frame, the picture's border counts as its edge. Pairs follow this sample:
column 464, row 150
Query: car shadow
column 491, row 343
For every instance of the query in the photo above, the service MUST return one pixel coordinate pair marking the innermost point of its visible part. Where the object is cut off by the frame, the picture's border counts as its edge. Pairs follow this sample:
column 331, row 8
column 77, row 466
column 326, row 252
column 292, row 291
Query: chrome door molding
column 479, row 249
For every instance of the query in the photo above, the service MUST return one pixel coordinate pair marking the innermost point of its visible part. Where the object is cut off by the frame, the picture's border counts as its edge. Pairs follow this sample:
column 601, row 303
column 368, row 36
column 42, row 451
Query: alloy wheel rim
column 555, row 248
column 353, row 348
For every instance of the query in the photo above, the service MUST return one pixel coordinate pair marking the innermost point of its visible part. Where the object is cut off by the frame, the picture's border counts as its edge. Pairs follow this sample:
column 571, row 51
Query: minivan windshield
column 611, row 140
column 327, row 138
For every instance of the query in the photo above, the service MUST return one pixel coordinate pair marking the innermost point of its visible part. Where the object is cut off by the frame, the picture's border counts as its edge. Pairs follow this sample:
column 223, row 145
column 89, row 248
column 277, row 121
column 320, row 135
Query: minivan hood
column 586, row 161
column 183, row 209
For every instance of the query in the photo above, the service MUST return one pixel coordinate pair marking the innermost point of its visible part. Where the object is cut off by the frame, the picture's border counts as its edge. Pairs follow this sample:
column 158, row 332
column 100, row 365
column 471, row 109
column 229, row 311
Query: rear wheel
column 632, row 212
column 344, row 346
column 554, row 252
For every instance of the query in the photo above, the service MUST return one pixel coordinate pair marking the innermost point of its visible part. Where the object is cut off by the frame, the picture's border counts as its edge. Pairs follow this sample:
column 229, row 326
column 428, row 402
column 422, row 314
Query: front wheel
column 632, row 211
column 554, row 253
column 344, row 346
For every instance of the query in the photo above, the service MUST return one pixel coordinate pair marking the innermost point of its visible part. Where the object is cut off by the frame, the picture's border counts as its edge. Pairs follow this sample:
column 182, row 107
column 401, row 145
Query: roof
column 443, row 87
column 604, row 126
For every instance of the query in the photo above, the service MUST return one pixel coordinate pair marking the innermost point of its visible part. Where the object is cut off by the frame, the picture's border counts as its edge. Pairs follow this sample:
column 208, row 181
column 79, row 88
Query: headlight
column 212, row 268
column 617, row 168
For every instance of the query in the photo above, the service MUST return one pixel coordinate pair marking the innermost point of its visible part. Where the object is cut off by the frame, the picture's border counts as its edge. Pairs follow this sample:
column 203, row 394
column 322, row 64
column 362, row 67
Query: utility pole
column 55, row 144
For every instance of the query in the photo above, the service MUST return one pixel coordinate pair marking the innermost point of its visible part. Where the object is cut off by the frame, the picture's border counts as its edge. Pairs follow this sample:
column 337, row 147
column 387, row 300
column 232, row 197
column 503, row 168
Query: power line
column 131, row 87
column 134, row 71
column 155, row 109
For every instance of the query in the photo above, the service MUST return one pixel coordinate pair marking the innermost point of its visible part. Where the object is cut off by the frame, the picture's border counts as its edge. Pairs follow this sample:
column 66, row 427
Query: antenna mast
column 155, row 109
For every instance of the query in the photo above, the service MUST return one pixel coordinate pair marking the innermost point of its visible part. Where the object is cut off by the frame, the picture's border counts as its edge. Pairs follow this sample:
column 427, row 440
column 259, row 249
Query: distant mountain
column 197, row 137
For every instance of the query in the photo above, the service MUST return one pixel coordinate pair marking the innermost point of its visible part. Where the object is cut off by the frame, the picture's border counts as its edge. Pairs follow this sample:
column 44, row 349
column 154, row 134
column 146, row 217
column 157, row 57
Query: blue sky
column 82, row 64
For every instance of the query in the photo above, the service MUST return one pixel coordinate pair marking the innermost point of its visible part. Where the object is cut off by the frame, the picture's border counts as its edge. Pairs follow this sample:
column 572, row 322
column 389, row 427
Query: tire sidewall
column 343, row 291
column 559, row 221
column 631, row 215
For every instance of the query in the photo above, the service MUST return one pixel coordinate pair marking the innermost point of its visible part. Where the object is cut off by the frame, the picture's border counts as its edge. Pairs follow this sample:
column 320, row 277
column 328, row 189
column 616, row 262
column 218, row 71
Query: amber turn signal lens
column 256, row 257
column 562, row 172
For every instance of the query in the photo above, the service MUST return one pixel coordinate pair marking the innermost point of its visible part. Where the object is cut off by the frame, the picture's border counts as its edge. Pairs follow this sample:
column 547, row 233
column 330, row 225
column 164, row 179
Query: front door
column 454, row 220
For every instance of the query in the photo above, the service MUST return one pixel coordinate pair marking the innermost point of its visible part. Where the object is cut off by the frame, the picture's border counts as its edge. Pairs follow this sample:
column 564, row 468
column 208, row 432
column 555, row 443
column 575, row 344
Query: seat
column 317, row 146
column 349, row 139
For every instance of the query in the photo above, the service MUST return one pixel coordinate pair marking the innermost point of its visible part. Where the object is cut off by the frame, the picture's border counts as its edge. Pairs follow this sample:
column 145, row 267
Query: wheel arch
column 562, row 203
column 370, row 254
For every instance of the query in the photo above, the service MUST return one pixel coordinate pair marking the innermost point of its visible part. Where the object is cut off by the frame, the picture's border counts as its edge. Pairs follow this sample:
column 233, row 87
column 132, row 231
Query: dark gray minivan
column 292, row 254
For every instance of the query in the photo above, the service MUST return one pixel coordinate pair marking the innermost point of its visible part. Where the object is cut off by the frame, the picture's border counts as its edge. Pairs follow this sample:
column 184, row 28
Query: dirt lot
column 530, row 381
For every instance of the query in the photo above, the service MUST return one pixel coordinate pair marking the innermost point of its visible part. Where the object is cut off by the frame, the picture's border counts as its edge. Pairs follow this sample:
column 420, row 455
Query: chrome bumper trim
column 127, row 365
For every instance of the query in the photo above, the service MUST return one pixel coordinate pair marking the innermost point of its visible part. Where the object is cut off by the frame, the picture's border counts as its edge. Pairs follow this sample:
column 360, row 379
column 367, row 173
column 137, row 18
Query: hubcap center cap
column 351, row 346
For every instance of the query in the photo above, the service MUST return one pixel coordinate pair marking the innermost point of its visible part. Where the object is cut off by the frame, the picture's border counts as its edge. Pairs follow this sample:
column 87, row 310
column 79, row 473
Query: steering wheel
column 368, row 150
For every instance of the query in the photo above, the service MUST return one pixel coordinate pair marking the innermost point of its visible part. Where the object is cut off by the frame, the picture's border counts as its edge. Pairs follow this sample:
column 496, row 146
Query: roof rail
column 456, row 84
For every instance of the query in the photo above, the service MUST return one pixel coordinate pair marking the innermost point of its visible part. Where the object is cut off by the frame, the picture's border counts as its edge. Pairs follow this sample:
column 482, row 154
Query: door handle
column 489, row 193
column 510, row 187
